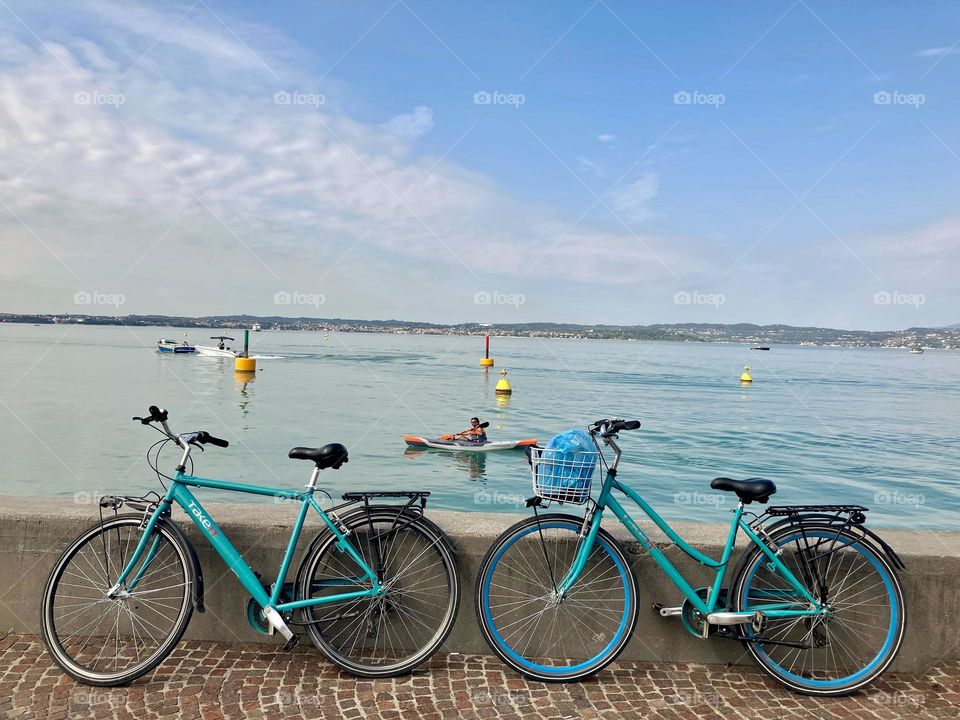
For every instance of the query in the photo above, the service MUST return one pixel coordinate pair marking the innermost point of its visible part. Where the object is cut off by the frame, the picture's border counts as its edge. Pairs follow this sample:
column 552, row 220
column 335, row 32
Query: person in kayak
column 475, row 433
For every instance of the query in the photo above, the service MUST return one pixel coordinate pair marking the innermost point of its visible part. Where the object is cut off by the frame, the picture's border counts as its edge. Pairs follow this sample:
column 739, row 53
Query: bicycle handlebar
column 160, row 415
column 609, row 427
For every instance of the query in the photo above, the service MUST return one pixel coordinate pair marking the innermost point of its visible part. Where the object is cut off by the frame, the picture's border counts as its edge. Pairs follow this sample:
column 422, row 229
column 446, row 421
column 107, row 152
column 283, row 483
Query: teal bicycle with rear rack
column 377, row 589
column 815, row 596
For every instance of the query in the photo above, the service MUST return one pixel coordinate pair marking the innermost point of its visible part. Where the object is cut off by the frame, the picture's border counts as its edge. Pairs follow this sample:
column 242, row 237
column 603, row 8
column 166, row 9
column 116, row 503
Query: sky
column 589, row 162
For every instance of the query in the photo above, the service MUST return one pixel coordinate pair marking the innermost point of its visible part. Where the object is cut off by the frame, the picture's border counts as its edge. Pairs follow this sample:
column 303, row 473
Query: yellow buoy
column 244, row 363
column 746, row 377
column 503, row 387
column 486, row 361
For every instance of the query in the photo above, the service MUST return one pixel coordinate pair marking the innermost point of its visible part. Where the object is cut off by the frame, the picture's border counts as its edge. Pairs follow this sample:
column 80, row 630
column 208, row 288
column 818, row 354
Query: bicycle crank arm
column 665, row 611
column 278, row 625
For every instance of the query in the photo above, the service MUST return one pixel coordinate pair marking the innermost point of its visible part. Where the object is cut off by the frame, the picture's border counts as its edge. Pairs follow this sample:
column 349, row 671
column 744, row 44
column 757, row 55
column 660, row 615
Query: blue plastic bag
column 567, row 462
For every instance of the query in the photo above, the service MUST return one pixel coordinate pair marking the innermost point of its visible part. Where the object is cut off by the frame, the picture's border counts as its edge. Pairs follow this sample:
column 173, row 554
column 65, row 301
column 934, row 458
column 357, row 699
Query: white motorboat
column 220, row 350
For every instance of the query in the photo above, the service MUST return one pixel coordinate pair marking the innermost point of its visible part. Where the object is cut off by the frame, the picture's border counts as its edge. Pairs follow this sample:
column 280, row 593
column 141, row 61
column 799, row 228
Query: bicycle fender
column 831, row 519
column 348, row 517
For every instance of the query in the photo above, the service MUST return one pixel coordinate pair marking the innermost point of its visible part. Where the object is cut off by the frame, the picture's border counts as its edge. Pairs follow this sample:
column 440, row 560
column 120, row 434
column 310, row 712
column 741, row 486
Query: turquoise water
column 877, row 427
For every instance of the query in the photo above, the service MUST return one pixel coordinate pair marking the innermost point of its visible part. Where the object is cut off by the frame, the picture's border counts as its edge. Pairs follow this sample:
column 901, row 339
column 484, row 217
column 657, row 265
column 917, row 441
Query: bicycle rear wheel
column 850, row 647
column 111, row 641
column 521, row 618
column 397, row 632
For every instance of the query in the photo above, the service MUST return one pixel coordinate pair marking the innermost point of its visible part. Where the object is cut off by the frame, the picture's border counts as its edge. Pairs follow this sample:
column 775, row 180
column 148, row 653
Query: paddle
column 461, row 434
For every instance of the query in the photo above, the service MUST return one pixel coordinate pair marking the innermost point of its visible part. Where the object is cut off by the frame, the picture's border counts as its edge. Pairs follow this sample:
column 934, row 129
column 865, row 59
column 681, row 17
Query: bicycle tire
column 542, row 664
column 408, row 602
column 854, row 606
column 87, row 565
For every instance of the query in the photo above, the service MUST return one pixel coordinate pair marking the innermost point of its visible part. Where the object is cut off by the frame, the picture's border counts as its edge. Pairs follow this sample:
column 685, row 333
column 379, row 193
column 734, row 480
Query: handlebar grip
column 615, row 426
column 157, row 414
column 204, row 437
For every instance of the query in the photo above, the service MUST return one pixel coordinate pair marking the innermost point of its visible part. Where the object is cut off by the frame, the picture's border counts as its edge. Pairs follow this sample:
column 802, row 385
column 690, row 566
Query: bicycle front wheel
column 524, row 622
column 396, row 632
column 855, row 641
column 106, row 641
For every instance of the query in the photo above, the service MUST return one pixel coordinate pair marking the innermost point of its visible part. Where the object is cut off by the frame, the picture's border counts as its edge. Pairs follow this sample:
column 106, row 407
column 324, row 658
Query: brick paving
column 228, row 680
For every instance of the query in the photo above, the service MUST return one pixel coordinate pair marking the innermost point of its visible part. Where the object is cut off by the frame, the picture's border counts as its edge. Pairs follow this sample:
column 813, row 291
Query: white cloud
column 410, row 126
column 632, row 201
column 201, row 166
column 606, row 137
column 588, row 165
column 939, row 52
column 201, row 194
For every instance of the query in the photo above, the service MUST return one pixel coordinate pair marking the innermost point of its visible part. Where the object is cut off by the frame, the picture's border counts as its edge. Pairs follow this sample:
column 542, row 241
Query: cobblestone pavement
column 228, row 680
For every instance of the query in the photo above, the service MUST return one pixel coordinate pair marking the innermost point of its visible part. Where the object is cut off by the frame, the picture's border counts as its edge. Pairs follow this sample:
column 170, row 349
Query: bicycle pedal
column 290, row 644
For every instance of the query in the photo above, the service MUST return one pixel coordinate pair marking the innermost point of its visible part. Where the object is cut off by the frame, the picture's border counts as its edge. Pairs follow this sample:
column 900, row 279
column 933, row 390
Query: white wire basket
column 563, row 476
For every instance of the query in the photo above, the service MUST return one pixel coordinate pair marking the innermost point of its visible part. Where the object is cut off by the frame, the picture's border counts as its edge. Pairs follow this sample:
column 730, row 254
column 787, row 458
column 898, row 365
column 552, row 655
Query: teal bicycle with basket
column 377, row 589
column 815, row 596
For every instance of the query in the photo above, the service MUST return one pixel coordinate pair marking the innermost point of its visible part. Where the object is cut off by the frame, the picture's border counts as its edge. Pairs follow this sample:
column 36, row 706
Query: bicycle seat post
column 312, row 483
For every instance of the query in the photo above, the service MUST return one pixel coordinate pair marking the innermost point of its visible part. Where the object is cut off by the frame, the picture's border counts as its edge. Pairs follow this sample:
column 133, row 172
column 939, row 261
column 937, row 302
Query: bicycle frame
column 180, row 493
column 607, row 500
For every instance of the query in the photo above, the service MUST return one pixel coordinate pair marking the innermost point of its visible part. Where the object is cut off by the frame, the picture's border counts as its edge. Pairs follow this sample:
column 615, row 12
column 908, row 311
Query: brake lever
column 143, row 421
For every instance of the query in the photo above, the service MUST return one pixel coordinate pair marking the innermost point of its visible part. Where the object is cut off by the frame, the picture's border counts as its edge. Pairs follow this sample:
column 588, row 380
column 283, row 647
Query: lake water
column 877, row 427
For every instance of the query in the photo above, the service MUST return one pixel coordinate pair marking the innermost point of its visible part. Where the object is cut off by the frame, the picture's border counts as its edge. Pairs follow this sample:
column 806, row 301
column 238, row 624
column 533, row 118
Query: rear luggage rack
column 786, row 510
column 355, row 496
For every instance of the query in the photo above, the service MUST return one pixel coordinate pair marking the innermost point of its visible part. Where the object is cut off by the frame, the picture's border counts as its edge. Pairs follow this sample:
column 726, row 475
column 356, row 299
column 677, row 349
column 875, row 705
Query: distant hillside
column 742, row 333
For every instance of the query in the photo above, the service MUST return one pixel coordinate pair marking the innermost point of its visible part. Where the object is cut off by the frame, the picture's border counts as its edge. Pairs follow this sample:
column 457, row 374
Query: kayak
column 466, row 445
